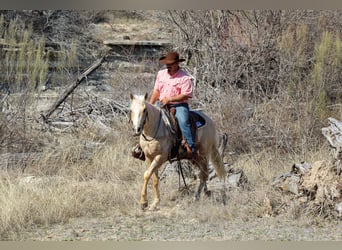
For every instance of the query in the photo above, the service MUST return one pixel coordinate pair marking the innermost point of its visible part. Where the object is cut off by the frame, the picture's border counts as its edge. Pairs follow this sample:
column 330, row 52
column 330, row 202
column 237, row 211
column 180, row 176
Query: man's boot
column 186, row 152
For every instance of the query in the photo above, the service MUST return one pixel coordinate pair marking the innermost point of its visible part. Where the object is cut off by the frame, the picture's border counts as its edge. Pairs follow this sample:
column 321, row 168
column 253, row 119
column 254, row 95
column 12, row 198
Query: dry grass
column 44, row 201
column 71, row 187
column 54, row 191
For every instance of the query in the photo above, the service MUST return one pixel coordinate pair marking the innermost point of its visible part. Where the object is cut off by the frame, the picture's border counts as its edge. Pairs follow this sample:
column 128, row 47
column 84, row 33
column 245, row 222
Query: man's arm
column 177, row 98
column 155, row 96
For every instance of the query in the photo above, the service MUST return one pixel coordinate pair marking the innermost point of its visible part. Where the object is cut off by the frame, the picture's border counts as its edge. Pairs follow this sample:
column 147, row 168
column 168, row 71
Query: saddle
column 181, row 148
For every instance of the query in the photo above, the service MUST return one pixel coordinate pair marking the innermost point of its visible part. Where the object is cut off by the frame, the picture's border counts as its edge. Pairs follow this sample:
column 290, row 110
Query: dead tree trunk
column 71, row 88
column 333, row 133
column 321, row 182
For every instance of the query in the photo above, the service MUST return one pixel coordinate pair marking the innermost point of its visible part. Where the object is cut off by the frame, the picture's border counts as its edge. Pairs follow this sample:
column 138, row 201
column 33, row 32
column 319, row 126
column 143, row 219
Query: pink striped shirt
column 168, row 86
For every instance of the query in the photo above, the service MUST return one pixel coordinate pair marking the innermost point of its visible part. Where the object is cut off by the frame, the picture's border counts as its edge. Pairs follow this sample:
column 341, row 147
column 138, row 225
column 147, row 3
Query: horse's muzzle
column 137, row 131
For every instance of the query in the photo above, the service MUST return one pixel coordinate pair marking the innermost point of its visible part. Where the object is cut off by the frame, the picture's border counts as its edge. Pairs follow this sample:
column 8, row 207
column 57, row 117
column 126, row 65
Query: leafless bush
column 247, row 54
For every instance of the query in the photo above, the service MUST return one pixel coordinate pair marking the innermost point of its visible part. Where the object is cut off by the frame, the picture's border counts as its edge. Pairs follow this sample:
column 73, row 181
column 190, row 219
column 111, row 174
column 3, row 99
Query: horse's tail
column 216, row 158
column 223, row 143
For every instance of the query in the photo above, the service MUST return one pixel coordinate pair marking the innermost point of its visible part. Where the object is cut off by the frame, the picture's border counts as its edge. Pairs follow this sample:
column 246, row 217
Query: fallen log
column 71, row 88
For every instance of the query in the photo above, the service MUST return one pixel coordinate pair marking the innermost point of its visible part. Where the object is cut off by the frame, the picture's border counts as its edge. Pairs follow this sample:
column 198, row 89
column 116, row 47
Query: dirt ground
column 158, row 226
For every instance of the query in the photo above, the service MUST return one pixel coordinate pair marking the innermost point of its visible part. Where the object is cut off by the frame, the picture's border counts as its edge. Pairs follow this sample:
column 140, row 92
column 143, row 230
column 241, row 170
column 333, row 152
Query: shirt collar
column 175, row 74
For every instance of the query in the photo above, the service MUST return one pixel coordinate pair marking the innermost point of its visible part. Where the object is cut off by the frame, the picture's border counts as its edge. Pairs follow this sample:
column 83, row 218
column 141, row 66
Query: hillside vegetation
column 270, row 79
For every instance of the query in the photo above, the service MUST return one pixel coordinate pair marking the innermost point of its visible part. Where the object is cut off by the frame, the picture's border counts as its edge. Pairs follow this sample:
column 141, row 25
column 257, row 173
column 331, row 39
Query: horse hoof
column 143, row 206
column 153, row 208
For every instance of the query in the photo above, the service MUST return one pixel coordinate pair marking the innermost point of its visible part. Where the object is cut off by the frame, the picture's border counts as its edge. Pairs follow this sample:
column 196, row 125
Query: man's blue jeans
column 182, row 115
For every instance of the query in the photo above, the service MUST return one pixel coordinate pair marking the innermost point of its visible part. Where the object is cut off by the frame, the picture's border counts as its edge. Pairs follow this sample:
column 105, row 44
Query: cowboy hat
column 170, row 58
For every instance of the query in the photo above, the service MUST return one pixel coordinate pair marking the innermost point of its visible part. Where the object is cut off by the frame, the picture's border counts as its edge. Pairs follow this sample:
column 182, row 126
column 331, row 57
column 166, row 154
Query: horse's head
column 138, row 113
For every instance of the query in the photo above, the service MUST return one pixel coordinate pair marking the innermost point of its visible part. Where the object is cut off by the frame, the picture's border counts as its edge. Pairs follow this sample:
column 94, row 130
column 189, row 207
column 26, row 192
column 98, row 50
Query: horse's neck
column 153, row 120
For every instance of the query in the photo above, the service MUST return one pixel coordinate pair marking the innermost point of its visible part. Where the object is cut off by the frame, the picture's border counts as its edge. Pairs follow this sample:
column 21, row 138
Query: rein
column 180, row 172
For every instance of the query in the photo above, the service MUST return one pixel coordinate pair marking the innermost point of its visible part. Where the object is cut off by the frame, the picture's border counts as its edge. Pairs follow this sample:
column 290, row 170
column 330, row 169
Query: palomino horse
column 156, row 141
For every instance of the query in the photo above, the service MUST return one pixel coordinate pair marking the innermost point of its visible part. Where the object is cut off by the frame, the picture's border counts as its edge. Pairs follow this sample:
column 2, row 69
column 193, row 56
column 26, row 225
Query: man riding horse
column 173, row 88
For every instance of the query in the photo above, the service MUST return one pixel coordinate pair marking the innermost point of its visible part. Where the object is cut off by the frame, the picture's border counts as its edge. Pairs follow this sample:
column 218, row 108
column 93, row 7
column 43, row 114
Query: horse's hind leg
column 203, row 176
column 206, row 191
column 198, row 190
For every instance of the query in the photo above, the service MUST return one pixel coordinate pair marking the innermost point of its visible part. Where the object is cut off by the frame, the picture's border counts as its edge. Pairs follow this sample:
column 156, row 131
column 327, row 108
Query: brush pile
column 318, row 186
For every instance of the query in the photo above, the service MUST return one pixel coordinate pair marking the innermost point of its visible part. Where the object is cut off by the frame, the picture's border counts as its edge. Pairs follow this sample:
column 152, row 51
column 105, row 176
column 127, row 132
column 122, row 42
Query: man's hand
column 165, row 101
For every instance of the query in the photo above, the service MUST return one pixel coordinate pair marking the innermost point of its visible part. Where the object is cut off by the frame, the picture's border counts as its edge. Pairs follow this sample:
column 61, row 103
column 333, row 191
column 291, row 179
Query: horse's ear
column 131, row 96
column 146, row 95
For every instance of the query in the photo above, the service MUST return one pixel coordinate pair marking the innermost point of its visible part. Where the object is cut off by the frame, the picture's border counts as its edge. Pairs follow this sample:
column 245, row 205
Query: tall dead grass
column 27, row 202
column 63, row 185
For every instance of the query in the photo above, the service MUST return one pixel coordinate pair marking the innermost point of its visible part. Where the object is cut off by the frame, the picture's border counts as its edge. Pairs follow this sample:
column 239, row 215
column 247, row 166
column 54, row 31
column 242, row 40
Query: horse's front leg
column 151, row 167
column 155, row 180
column 143, row 195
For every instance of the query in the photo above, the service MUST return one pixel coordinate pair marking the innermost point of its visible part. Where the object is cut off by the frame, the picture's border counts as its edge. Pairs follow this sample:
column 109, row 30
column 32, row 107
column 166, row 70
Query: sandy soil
column 159, row 226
